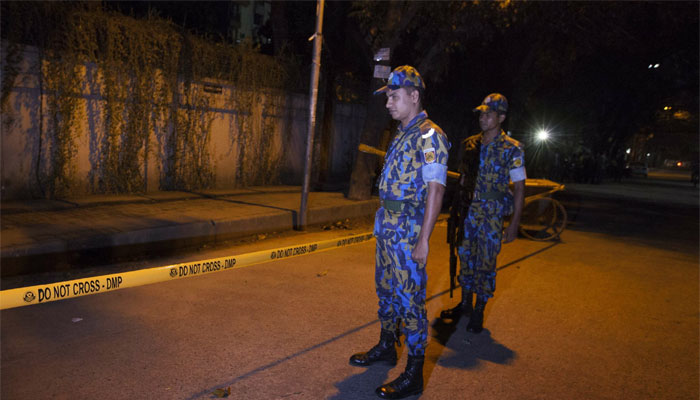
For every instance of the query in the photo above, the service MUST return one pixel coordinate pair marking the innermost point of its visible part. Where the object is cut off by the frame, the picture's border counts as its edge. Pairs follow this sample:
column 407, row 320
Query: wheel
column 542, row 219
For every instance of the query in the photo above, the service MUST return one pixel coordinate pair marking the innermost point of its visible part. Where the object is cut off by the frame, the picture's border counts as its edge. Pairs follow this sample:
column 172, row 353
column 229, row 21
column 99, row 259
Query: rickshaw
column 543, row 217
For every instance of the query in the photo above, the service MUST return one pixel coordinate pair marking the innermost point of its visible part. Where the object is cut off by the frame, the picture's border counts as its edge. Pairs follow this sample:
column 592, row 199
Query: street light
column 542, row 135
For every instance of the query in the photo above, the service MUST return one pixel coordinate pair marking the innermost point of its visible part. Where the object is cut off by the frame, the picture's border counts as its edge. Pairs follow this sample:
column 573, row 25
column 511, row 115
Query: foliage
column 63, row 113
column 147, row 74
column 13, row 58
column 582, row 65
column 430, row 31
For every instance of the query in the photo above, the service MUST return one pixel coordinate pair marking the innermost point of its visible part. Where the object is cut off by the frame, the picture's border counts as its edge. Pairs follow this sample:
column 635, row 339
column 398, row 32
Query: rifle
column 455, row 233
column 469, row 156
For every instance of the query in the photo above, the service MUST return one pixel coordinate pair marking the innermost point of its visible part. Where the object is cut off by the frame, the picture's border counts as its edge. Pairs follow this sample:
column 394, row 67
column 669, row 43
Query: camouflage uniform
column 416, row 156
column 500, row 161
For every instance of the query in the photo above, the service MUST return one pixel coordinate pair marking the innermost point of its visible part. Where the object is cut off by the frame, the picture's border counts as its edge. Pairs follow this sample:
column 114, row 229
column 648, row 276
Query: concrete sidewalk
column 37, row 229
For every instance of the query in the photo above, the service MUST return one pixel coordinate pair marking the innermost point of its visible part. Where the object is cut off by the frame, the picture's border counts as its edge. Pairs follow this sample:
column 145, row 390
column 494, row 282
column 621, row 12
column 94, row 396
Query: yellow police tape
column 39, row 294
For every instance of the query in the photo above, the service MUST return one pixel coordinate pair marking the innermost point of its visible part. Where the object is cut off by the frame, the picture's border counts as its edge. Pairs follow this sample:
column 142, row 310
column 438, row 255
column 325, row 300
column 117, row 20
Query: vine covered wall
column 155, row 108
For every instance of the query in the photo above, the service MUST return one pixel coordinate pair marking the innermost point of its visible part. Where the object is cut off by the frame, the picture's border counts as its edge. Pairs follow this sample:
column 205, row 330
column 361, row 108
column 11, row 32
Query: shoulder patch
column 429, row 155
column 518, row 162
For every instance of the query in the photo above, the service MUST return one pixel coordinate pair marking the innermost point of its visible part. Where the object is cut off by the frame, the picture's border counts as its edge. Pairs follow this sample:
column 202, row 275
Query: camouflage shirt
column 499, row 162
column 416, row 156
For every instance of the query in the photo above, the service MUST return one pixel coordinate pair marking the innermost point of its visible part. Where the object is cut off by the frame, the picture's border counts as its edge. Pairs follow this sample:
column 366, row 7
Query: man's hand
column 420, row 252
column 511, row 233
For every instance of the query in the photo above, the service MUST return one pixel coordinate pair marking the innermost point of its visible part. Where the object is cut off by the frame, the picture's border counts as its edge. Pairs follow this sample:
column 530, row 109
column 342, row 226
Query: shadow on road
column 477, row 347
column 482, row 347
column 468, row 352
column 362, row 385
column 282, row 360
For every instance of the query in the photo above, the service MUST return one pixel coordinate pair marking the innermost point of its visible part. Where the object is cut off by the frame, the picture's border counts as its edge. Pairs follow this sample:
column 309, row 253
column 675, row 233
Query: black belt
column 397, row 205
column 483, row 196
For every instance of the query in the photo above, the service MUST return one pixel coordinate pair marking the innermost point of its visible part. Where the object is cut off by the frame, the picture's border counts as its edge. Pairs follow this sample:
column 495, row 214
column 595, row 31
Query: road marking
column 40, row 294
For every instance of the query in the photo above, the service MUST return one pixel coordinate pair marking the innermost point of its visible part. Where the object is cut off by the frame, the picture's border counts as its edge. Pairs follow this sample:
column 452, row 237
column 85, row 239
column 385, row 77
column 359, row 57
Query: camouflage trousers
column 483, row 230
column 400, row 281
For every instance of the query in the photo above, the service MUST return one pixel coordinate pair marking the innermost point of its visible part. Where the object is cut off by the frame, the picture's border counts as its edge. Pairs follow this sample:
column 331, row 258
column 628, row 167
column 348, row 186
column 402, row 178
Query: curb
column 44, row 256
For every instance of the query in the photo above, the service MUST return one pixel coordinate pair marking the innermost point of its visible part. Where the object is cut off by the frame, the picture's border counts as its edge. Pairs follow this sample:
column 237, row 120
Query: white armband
column 518, row 174
column 434, row 172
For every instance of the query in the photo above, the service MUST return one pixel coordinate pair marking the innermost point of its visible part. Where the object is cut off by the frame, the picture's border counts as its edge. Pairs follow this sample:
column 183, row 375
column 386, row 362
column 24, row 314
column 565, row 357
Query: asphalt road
column 609, row 312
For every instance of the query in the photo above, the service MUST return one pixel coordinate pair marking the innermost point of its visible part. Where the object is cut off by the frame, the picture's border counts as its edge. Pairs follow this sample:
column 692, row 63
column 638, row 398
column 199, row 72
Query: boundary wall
column 262, row 146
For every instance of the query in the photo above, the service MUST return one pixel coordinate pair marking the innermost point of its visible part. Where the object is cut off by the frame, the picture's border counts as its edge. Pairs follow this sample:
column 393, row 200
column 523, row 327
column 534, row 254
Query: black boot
column 463, row 308
column 476, row 321
column 382, row 351
column 410, row 382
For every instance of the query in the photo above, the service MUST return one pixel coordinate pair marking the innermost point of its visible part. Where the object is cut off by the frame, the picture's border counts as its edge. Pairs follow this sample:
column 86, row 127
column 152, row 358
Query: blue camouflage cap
column 402, row 76
column 493, row 102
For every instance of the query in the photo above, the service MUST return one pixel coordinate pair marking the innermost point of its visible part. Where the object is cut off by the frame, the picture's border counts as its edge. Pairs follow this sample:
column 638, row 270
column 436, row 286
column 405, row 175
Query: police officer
column 411, row 187
column 498, row 160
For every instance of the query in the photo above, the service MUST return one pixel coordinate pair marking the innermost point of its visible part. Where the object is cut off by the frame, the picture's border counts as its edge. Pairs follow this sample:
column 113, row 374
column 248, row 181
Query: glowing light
column 656, row 65
column 542, row 135
column 648, row 154
column 679, row 164
column 628, row 151
column 667, row 108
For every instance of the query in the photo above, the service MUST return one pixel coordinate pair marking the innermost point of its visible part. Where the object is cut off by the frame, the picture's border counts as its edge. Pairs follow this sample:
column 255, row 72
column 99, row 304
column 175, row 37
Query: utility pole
column 313, row 94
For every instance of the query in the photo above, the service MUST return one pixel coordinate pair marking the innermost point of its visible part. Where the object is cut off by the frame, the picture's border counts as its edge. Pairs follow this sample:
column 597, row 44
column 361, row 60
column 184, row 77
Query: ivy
column 146, row 76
